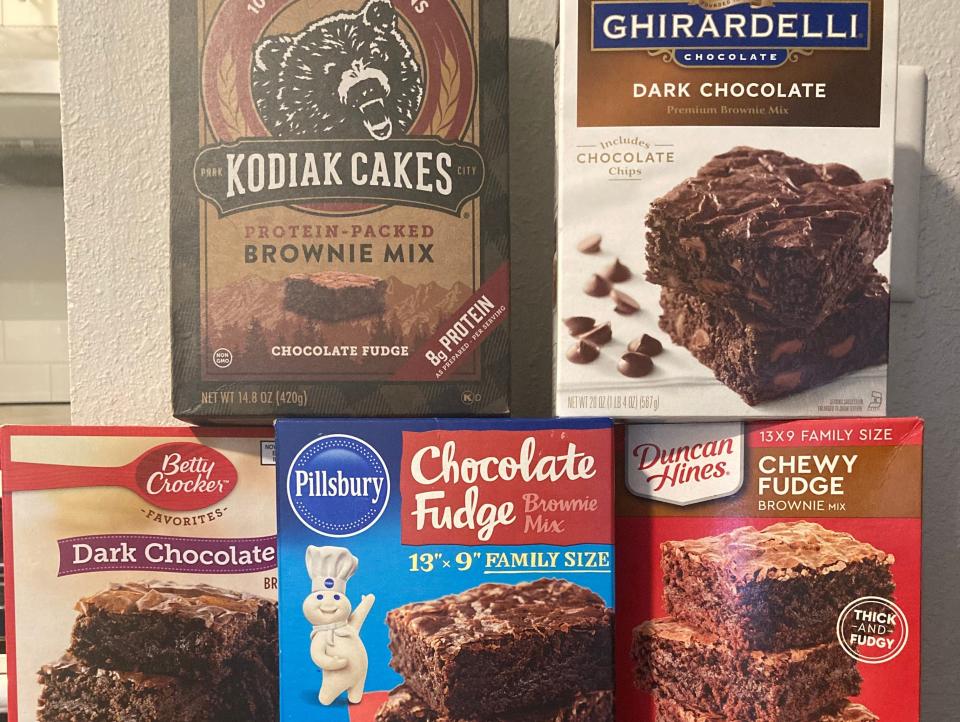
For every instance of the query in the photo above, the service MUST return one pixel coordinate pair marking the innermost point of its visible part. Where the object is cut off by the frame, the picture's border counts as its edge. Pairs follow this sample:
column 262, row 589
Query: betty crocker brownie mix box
column 339, row 225
column 769, row 572
column 725, row 207
column 445, row 570
column 140, row 569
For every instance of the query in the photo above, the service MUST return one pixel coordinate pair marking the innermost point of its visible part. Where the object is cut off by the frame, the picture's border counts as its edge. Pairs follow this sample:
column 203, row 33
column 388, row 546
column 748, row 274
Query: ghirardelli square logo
column 685, row 464
column 355, row 110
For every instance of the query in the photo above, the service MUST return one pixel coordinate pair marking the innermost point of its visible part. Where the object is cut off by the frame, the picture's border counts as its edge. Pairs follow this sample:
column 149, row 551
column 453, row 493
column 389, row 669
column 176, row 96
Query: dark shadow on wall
column 924, row 381
column 533, row 244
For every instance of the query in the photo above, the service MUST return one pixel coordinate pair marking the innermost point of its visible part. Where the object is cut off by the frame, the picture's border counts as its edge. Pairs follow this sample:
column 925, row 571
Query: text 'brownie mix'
column 770, row 572
column 443, row 571
column 140, row 574
column 339, row 222
column 725, row 207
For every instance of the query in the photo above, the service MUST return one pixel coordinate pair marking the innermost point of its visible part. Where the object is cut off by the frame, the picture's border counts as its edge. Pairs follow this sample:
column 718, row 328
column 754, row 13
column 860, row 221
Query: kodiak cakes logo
column 731, row 33
column 366, row 105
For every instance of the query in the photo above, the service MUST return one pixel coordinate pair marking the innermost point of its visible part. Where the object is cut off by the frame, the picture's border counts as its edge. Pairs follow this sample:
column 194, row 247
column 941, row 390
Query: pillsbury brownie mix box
column 140, row 573
column 770, row 572
column 340, row 240
column 725, row 206
column 445, row 570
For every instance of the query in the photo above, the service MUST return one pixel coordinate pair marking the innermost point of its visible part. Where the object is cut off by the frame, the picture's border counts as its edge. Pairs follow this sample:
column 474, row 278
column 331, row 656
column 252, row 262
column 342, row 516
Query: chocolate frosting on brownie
column 199, row 601
column 339, row 279
column 451, row 622
column 70, row 665
column 769, row 198
column 784, row 550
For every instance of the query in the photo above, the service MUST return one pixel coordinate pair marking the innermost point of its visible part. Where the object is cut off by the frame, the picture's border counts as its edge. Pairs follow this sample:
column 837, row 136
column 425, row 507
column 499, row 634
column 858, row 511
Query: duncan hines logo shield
column 685, row 464
column 357, row 109
column 731, row 33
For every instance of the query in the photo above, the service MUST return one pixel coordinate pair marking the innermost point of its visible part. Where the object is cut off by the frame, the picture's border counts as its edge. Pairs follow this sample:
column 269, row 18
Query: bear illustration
column 350, row 75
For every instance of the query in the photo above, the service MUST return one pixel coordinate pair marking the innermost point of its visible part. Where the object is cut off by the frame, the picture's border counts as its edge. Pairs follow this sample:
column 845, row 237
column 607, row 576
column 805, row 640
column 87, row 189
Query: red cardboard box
column 770, row 571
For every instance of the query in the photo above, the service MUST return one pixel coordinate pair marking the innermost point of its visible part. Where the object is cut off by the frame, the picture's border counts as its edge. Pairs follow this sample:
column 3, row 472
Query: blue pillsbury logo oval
column 338, row 485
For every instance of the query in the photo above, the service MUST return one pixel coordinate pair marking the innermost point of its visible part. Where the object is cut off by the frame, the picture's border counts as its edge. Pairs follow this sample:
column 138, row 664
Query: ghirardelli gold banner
column 340, row 231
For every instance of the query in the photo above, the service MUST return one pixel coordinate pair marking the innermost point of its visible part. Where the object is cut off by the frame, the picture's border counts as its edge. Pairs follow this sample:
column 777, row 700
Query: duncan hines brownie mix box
column 770, row 572
column 441, row 570
column 339, row 225
column 140, row 574
column 725, row 202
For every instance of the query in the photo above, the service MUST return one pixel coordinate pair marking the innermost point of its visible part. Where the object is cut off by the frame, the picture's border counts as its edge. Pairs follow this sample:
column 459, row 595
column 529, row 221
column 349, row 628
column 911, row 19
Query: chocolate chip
column 616, row 272
column 647, row 345
column 583, row 352
column 635, row 365
column 577, row 325
column 843, row 348
column 599, row 335
column 789, row 380
column 786, row 348
column 699, row 340
column 597, row 286
column 625, row 304
column 590, row 244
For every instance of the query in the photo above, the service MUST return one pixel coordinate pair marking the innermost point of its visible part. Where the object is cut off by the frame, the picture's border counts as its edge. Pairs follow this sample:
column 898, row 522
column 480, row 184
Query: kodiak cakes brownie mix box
column 445, row 570
column 770, row 572
column 725, row 201
column 140, row 574
column 339, row 225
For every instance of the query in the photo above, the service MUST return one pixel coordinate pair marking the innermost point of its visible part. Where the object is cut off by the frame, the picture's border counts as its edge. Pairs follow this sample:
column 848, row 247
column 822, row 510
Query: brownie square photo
column 498, row 648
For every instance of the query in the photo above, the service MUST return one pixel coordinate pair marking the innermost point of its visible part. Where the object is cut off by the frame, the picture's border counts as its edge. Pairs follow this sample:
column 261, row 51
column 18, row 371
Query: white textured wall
column 116, row 199
column 116, row 150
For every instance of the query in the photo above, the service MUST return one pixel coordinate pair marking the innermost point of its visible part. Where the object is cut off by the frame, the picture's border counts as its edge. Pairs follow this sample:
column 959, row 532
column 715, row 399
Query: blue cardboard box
column 376, row 515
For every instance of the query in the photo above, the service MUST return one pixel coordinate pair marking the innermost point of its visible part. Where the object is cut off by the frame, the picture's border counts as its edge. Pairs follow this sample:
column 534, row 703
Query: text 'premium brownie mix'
column 770, row 572
column 141, row 574
column 725, row 203
column 339, row 220
column 446, row 571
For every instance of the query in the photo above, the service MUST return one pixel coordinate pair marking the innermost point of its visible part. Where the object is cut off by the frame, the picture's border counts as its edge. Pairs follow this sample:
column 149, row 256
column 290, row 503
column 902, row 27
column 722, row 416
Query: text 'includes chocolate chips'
column 626, row 305
column 635, row 365
column 616, row 272
column 578, row 325
column 646, row 344
column 590, row 244
column 583, row 352
column 597, row 286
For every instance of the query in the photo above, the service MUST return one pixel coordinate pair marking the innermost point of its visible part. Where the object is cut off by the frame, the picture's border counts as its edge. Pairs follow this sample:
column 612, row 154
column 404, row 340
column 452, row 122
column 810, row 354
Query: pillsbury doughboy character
column 335, row 644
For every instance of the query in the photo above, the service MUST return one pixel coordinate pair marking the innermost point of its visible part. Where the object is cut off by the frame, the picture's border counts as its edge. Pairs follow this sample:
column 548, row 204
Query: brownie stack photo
column 751, row 631
column 155, row 652
column 766, row 268
column 531, row 652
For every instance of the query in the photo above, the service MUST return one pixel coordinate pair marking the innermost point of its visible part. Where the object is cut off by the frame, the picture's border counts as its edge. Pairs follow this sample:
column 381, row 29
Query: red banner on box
column 507, row 487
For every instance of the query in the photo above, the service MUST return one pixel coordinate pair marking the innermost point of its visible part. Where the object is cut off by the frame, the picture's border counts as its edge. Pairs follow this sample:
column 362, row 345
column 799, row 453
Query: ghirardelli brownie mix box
column 445, row 570
column 339, row 226
column 769, row 572
column 140, row 572
column 725, row 202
